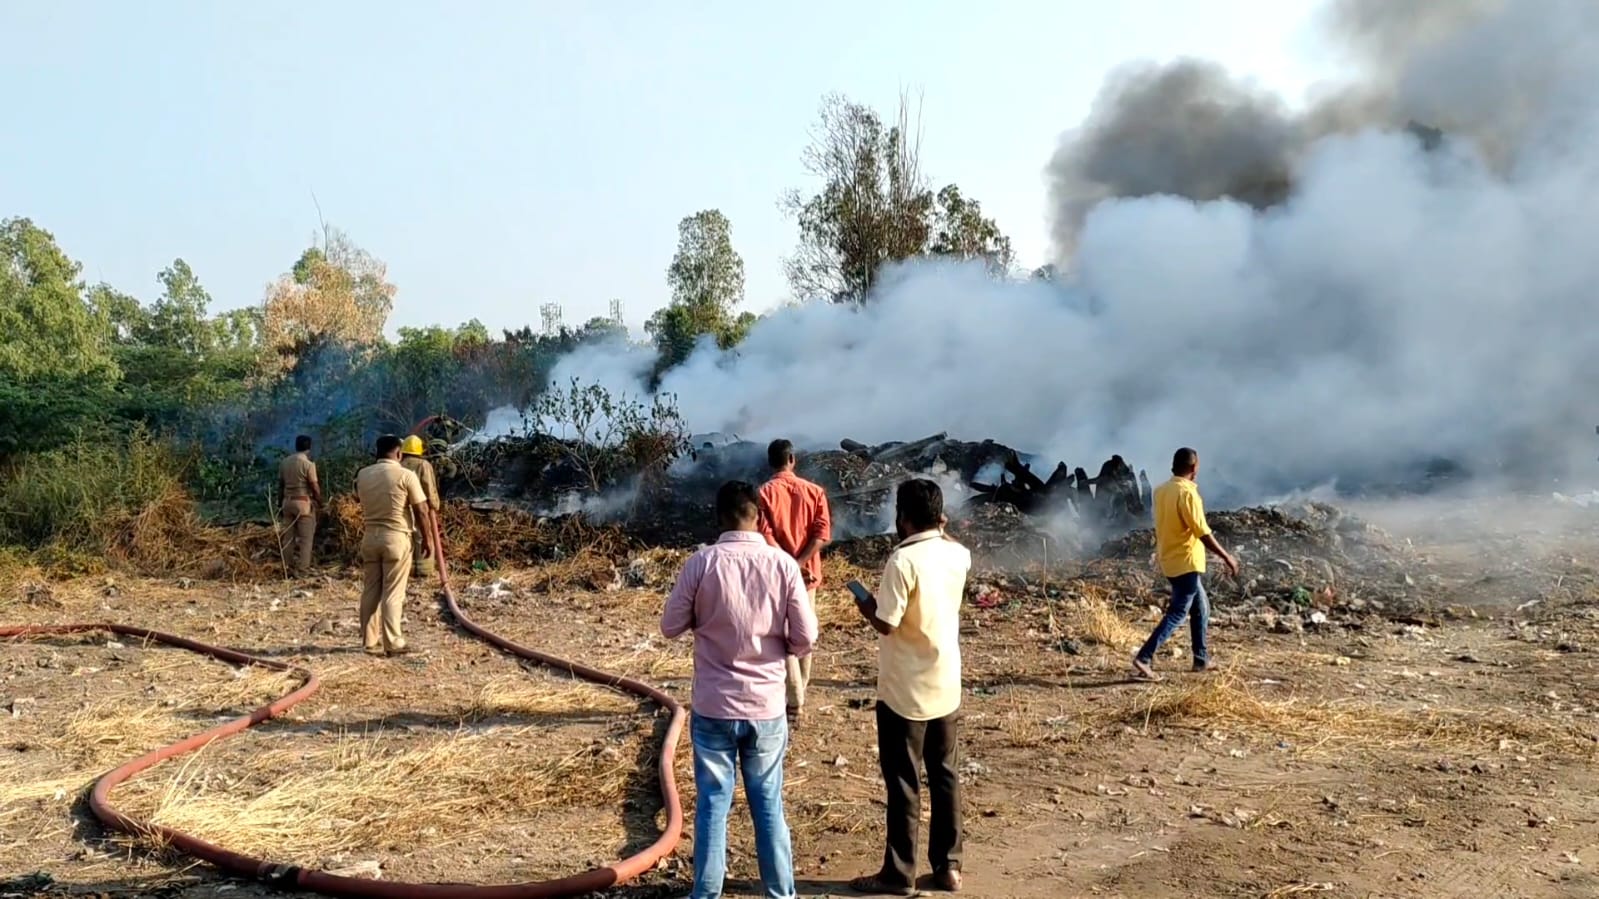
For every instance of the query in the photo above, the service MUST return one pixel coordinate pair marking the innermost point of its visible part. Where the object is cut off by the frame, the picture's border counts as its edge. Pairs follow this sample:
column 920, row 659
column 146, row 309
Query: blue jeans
column 1188, row 600
column 722, row 748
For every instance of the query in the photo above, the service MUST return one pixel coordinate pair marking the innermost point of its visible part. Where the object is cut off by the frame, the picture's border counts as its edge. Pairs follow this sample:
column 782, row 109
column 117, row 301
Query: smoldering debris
column 1306, row 564
column 990, row 488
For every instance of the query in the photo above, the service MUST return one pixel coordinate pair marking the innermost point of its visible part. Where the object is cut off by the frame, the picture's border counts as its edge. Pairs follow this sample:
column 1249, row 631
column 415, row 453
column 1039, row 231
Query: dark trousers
column 904, row 746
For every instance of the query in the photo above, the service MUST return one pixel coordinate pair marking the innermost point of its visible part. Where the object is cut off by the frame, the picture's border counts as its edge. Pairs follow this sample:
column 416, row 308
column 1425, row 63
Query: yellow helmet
column 411, row 446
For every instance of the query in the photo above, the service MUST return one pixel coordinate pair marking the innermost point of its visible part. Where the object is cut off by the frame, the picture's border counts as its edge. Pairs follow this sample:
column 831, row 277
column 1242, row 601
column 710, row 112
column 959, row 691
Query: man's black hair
column 779, row 453
column 1183, row 461
column 387, row 445
column 737, row 502
column 302, row 444
column 921, row 504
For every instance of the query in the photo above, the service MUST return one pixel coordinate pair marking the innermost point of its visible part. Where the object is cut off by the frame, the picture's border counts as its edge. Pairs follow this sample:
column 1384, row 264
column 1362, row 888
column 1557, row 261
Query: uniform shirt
column 297, row 472
column 745, row 601
column 1179, row 527
column 423, row 469
column 387, row 491
column 793, row 513
column 919, row 664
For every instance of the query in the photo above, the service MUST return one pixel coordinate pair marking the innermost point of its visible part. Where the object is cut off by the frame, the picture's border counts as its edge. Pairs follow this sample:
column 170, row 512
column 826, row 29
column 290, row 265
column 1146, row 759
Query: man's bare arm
column 810, row 549
column 869, row 612
column 1212, row 544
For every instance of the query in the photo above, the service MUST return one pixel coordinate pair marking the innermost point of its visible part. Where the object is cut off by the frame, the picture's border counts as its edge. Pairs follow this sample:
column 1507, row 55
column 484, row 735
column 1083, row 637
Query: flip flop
column 1142, row 671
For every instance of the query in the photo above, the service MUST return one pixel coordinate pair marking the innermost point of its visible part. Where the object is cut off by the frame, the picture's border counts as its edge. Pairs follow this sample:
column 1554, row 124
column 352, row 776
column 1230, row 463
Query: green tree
column 49, row 330
column 961, row 231
column 707, row 282
column 178, row 319
column 120, row 314
column 875, row 206
column 599, row 328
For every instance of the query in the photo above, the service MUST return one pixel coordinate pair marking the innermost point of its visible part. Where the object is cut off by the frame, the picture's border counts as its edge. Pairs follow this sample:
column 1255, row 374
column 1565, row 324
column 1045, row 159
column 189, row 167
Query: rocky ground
column 1405, row 707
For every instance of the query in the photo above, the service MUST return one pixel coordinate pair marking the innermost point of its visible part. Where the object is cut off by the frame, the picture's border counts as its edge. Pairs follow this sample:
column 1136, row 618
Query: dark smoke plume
column 1483, row 70
column 1401, row 272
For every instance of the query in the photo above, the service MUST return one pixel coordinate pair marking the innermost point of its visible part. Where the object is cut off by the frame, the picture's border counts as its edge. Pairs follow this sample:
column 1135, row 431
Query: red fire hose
column 287, row 875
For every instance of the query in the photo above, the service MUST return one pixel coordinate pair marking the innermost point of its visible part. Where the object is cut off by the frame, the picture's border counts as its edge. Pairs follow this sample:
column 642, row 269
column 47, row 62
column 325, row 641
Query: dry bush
column 368, row 791
column 500, row 537
column 167, row 537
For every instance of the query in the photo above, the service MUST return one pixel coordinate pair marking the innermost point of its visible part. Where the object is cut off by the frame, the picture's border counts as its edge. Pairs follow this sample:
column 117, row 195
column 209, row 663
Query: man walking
column 301, row 498
column 411, row 459
column 795, row 519
column 1181, row 538
column 746, row 604
column 916, row 612
column 392, row 504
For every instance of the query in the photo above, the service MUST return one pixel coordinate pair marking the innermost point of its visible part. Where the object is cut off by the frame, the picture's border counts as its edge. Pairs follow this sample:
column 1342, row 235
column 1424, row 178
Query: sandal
column 1142, row 671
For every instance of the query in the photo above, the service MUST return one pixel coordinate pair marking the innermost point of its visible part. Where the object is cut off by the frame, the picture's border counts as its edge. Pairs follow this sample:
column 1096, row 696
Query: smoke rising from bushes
column 1301, row 295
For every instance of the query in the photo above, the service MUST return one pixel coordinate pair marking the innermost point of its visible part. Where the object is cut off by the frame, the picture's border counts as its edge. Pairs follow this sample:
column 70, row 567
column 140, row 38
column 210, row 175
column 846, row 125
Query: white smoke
column 1401, row 303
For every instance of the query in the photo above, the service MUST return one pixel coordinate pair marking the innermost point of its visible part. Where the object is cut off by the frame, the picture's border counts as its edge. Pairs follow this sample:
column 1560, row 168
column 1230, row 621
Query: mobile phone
column 862, row 595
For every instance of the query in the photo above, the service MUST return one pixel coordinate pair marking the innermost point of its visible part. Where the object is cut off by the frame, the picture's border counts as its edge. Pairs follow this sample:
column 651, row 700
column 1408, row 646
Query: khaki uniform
column 297, row 473
column 423, row 469
column 387, row 493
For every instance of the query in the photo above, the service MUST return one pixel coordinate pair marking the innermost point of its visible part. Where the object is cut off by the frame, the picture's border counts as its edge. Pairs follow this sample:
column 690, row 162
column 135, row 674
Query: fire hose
column 295, row 876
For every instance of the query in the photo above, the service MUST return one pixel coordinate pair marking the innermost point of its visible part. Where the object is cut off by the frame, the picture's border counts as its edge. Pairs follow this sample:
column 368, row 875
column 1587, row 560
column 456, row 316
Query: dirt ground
column 1454, row 757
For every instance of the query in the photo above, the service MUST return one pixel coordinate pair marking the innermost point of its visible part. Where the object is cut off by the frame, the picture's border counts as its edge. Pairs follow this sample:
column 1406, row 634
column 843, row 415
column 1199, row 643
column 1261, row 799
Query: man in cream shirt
column 916, row 612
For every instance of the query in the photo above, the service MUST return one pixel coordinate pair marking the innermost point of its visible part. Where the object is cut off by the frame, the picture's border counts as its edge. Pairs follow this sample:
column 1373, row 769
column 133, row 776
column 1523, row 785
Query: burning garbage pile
column 998, row 502
column 1305, row 565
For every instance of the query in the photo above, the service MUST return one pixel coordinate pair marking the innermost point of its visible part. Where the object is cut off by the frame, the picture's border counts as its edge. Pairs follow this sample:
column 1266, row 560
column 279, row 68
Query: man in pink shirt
column 746, row 603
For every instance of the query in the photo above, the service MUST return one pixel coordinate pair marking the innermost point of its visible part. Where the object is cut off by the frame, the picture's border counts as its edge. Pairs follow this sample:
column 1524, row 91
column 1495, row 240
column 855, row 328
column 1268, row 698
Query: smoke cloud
column 1302, row 295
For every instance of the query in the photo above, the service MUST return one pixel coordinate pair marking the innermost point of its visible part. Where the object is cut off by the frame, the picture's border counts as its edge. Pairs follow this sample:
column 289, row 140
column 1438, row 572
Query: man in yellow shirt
column 916, row 612
column 1181, row 538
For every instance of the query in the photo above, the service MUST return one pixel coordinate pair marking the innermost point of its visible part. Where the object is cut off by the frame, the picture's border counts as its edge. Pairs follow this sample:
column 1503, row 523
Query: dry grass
column 1223, row 700
column 112, row 730
column 587, row 569
column 167, row 538
column 501, row 538
column 374, row 790
column 517, row 695
column 1089, row 615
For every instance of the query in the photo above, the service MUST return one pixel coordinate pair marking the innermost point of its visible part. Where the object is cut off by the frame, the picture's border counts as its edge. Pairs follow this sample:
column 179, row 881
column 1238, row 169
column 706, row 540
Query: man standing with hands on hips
column 795, row 519
column 1181, row 538
column 916, row 612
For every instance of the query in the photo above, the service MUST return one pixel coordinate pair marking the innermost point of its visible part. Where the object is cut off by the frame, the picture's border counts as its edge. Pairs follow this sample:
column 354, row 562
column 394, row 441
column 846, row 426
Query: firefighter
column 411, row 458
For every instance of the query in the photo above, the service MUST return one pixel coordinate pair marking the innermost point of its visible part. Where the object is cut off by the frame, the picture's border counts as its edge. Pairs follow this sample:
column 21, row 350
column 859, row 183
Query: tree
column 961, row 231
column 707, row 281
column 120, row 314
column 876, row 207
column 600, row 328
column 873, row 206
column 178, row 319
column 336, row 292
column 49, row 330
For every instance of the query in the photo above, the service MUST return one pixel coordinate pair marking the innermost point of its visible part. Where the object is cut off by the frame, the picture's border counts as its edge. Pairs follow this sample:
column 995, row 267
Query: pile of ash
column 1303, row 564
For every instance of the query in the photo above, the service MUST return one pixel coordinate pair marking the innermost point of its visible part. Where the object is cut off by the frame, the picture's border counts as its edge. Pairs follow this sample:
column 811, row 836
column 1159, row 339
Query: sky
column 501, row 155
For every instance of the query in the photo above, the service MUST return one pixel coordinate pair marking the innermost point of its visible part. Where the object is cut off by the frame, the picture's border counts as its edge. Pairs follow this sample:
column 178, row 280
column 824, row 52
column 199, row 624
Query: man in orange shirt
column 794, row 518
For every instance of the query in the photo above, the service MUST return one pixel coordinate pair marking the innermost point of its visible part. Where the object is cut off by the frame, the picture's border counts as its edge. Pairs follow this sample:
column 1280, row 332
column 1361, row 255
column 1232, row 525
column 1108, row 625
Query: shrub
column 72, row 495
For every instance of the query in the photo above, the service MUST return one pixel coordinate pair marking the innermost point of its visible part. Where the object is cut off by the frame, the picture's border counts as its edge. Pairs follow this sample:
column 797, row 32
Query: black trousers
column 904, row 746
